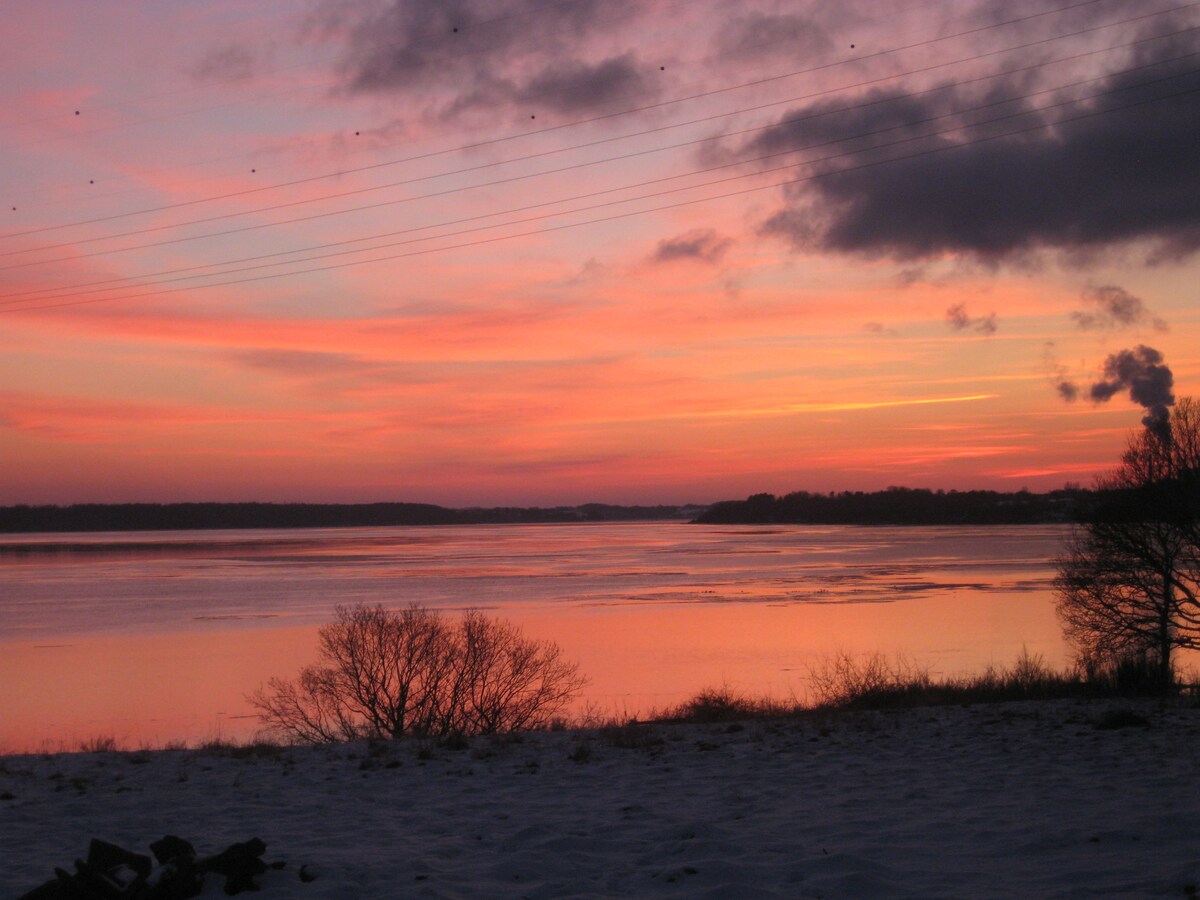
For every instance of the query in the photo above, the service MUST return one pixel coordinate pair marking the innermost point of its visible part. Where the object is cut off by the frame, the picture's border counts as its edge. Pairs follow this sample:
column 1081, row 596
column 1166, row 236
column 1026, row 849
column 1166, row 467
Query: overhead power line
column 542, row 154
column 99, row 286
column 491, row 142
column 674, row 205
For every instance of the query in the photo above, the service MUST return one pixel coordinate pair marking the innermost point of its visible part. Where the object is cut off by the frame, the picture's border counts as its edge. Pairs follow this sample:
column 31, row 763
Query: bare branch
column 1128, row 582
column 388, row 674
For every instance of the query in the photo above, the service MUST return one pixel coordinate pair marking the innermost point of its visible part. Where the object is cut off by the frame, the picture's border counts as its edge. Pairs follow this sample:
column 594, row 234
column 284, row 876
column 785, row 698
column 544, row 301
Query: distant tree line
column 894, row 506
column 902, row 506
column 179, row 516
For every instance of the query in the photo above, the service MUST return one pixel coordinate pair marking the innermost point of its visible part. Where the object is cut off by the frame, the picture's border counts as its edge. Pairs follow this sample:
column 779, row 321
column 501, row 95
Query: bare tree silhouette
column 388, row 674
column 1129, row 580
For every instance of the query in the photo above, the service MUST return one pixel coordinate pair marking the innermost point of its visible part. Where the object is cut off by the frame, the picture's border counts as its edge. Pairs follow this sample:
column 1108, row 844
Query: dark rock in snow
column 178, row 879
column 239, row 863
column 168, row 847
column 111, row 872
column 105, row 856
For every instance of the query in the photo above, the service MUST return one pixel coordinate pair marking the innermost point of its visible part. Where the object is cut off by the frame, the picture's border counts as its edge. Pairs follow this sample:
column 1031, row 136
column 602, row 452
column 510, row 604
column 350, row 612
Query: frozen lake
column 150, row 637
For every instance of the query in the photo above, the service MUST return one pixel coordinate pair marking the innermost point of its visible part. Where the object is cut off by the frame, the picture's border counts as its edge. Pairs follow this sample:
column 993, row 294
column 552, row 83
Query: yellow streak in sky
column 877, row 404
column 795, row 408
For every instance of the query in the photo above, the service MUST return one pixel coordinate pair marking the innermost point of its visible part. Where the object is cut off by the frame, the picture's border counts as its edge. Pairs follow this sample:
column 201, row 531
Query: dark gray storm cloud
column 959, row 320
column 1117, row 167
column 486, row 54
column 1114, row 307
column 583, row 87
column 1142, row 372
column 705, row 245
column 404, row 42
column 879, row 117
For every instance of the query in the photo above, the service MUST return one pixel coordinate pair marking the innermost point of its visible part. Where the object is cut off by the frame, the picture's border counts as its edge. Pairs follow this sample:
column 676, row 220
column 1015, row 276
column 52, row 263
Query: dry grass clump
column 101, row 743
column 255, row 749
column 723, row 704
column 1133, row 674
column 841, row 681
column 844, row 681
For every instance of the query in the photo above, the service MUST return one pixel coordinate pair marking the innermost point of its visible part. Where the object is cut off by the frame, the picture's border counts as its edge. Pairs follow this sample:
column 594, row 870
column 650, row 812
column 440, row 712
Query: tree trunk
column 1165, row 678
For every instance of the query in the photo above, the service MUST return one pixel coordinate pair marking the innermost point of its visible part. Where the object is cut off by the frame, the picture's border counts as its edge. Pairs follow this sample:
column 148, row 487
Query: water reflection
column 154, row 638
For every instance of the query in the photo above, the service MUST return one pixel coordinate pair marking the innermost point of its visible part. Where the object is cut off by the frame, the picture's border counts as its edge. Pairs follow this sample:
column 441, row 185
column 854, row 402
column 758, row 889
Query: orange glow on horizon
column 275, row 275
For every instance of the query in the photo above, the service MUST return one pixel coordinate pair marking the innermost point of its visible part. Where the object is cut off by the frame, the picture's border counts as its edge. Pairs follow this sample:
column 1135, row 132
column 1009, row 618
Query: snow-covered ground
column 1015, row 800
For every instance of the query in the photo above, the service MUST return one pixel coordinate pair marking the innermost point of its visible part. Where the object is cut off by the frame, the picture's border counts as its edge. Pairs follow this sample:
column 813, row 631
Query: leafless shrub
column 388, row 674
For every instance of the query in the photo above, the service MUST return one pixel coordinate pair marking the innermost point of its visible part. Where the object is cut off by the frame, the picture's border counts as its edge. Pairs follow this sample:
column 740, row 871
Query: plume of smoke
column 1057, row 373
column 1149, row 381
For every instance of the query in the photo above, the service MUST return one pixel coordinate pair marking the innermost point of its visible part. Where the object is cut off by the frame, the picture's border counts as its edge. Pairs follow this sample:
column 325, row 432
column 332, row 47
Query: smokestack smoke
column 1142, row 372
column 1056, row 372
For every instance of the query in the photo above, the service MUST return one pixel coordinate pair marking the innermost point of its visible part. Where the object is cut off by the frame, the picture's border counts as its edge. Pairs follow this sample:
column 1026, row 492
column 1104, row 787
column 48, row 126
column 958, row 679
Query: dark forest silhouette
column 179, row 516
column 894, row 506
column 902, row 506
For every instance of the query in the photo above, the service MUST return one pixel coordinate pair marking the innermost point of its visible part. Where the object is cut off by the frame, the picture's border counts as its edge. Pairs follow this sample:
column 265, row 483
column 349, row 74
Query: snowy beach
column 1008, row 800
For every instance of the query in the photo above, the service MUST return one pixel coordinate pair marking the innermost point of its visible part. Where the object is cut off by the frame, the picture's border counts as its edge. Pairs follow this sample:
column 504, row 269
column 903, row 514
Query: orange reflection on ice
column 638, row 657
column 141, row 689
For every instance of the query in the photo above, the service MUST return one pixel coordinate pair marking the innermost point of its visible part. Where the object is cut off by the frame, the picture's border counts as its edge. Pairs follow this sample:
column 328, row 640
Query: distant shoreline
column 895, row 506
column 92, row 517
column 903, row 506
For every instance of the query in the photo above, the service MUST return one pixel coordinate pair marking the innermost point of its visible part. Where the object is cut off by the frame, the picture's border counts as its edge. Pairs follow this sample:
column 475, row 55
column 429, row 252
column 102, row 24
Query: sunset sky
column 486, row 252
